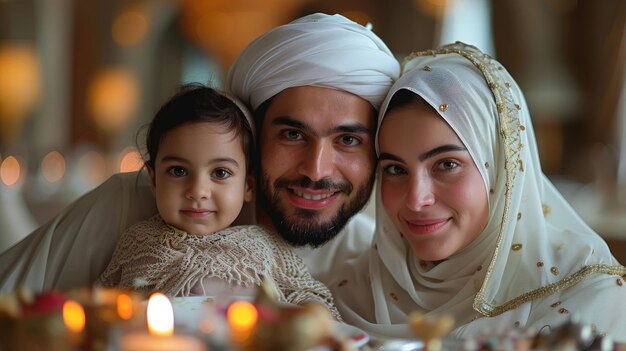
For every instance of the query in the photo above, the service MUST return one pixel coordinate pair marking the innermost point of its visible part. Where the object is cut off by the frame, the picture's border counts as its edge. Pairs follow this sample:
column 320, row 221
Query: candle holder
column 430, row 329
column 104, row 309
column 34, row 323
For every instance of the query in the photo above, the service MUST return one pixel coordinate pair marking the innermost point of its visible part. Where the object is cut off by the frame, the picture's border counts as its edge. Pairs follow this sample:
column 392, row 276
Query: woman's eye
column 177, row 171
column 393, row 170
column 222, row 173
column 448, row 164
column 350, row 140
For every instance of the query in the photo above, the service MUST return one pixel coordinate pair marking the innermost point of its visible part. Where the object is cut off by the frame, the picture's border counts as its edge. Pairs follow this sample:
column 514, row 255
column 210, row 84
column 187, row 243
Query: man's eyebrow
column 345, row 128
column 428, row 154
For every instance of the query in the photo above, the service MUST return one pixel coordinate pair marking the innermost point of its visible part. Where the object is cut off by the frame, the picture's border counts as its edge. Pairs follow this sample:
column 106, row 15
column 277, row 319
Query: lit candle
column 161, row 335
column 74, row 319
column 242, row 318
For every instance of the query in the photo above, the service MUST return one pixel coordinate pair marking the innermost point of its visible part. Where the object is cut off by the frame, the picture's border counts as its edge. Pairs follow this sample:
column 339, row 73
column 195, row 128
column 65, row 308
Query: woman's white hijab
column 534, row 244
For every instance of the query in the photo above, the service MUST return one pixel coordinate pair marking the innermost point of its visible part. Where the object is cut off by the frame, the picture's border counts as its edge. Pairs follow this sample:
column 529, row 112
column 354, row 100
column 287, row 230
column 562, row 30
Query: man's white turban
column 320, row 50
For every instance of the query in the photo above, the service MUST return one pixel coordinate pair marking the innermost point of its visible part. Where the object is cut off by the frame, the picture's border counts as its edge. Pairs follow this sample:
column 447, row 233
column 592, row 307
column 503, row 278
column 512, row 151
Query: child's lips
column 196, row 212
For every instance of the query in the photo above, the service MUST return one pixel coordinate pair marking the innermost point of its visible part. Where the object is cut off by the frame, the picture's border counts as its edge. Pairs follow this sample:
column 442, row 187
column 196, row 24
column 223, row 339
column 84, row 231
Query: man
column 314, row 85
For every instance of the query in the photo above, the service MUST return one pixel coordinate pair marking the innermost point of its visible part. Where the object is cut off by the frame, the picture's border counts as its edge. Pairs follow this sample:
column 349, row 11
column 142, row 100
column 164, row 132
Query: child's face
column 199, row 179
column 430, row 186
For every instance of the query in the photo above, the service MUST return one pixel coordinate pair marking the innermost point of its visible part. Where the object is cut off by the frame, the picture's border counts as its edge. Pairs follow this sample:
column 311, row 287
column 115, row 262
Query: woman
column 467, row 223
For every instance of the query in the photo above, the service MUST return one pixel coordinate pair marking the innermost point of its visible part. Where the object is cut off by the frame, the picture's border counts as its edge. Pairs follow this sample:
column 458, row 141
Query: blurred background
column 79, row 78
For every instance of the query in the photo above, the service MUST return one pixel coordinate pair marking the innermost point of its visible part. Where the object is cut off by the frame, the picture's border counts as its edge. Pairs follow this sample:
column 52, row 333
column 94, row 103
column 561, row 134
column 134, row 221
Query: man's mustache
column 306, row 182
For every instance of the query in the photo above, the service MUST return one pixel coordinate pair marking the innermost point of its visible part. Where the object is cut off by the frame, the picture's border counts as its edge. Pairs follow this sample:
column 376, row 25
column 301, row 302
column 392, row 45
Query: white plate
column 189, row 312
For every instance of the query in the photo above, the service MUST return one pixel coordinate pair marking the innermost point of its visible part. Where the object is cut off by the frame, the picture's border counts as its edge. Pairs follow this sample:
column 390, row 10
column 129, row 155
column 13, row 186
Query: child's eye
column 177, row 171
column 222, row 173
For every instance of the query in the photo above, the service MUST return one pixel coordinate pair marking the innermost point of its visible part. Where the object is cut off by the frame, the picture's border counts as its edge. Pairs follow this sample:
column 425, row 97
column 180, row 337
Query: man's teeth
column 312, row 196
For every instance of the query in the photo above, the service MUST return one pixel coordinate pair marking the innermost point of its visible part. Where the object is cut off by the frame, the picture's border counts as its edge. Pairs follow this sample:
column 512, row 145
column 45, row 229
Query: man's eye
column 350, row 140
column 292, row 135
column 177, row 171
column 222, row 173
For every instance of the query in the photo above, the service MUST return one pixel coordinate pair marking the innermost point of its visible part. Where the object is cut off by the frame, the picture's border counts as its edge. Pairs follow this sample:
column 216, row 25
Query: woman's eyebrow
column 441, row 149
column 428, row 154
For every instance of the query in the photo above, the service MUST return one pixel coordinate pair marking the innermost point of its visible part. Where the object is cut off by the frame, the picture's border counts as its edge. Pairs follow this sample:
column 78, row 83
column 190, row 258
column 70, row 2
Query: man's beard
column 302, row 228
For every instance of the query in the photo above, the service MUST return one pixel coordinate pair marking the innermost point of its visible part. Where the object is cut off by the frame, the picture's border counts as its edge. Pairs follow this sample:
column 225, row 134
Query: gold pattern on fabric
column 619, row 282
column 427, row 68
column 516, row 247
column 554, row 270
column 546, row 210
column 539, row 264
column 556, row 304
column 563, row 284
column 443, row 107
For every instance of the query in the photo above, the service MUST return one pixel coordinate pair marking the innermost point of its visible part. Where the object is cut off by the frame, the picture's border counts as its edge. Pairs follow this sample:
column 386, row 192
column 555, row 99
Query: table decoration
column 105, row 308
column 430, row 329
column 34, row 322
column 159, row 335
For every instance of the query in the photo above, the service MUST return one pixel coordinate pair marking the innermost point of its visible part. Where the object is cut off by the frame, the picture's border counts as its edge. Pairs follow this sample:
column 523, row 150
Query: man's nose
column 420, row 194
column 318, row 162
column 198, row 189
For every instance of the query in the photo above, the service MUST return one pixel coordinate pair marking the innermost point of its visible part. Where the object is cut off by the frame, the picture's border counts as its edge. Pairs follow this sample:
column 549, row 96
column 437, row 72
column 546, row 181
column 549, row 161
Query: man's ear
column 152, row 177
column 249, row 189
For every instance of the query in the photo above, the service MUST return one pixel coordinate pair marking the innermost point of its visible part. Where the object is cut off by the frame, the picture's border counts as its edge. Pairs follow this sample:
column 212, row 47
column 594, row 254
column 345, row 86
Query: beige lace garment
column 153, row 256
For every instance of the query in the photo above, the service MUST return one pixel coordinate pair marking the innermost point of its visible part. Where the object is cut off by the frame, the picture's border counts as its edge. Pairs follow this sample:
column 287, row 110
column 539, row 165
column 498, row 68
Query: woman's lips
column 426, row 226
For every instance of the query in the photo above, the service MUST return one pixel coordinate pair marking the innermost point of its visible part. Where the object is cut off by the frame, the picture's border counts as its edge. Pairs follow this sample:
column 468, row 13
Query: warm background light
column 112, row 98
column 53, row 167
column 19, row 87
column 129, row 28
column 93, row 166
column 73, row 316
column 10, row 171
column 160, row 315
column 130, row 161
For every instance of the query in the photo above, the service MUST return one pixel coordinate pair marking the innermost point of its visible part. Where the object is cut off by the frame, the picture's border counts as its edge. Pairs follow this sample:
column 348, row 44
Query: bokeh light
column 113, row 98
column 53, row 167
column 129, row 28
column 10, row 171
column 130, row 161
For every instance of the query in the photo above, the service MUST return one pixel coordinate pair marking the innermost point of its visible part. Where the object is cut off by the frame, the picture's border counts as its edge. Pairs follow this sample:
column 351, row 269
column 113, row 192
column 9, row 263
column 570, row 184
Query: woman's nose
column 420, row 194
column 318, row 161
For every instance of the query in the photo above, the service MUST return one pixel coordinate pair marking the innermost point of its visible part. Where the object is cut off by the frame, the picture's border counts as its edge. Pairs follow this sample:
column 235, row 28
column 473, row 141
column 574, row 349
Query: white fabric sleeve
column 73, row 249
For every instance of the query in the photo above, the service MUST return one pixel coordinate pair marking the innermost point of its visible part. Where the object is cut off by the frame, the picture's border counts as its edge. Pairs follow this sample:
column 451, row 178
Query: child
column 196, row 158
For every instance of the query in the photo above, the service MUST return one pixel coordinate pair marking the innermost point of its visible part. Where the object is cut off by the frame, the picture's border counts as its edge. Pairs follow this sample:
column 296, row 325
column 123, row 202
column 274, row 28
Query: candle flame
column 124, row 306
column 242, row 315
column 160, row 315
column 74, row 316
